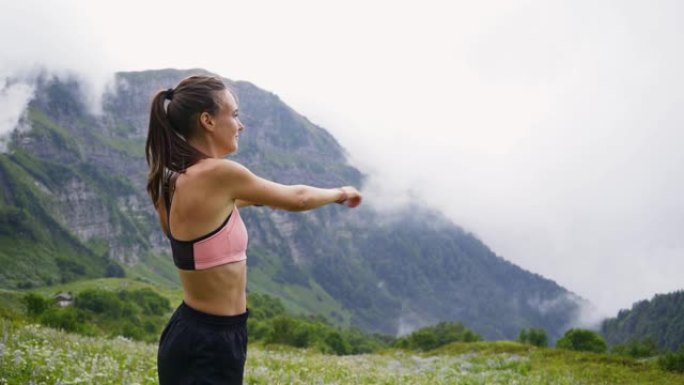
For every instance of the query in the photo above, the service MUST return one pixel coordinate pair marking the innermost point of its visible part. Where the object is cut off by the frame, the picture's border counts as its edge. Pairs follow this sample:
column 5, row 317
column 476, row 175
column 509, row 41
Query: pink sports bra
column 226, row 244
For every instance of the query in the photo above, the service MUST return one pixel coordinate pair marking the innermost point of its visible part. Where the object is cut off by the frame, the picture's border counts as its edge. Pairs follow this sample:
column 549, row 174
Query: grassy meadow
column 32, row 354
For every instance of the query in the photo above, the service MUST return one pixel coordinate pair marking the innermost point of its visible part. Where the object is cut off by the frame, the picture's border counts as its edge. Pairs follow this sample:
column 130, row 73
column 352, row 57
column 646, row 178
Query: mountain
column 661, row 320
column 76, row 206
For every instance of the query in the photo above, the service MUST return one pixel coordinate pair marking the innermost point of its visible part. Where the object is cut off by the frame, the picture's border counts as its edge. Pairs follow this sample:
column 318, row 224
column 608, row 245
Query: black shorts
column 201, row 348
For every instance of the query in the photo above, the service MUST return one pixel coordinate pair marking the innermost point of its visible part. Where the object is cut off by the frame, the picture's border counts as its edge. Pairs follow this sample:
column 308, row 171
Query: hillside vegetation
column 659, row 322
column 35, row 354
column 115, row 316
column 137, row 310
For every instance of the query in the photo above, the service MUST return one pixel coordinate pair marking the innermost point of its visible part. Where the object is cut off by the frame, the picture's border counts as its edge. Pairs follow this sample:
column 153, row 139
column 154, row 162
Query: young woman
column 197, row 193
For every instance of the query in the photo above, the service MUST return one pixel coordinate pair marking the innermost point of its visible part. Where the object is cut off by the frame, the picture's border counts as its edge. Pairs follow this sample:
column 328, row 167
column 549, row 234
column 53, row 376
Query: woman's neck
column 206, row 147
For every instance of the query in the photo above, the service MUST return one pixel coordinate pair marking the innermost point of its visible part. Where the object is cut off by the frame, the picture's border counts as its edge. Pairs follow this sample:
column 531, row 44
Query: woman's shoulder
column 213, row 170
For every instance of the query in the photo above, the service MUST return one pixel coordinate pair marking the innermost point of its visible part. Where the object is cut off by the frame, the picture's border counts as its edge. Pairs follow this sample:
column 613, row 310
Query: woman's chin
column 232, row 151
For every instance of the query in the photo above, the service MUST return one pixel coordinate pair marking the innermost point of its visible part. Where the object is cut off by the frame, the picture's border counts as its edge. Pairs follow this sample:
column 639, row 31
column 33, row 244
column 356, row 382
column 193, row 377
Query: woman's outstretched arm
column 237, row 182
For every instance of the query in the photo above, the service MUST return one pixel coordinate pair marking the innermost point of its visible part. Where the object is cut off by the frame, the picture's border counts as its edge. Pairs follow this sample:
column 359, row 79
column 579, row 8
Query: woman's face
column 228, row 125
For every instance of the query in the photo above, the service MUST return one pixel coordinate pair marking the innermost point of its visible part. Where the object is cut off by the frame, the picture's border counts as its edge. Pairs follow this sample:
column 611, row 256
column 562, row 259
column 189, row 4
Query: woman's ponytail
column 166, row 149
column 157, row 146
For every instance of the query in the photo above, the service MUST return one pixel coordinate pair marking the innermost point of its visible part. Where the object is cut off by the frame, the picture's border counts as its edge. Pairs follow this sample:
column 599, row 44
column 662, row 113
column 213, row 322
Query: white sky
column 551, row 129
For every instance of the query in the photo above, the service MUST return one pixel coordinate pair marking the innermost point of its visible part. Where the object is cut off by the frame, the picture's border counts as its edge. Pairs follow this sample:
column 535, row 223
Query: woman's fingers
column 353, row 201
column 354, row 197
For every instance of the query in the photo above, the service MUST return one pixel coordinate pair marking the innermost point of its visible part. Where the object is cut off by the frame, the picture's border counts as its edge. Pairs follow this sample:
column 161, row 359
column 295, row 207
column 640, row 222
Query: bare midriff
column 220, row 290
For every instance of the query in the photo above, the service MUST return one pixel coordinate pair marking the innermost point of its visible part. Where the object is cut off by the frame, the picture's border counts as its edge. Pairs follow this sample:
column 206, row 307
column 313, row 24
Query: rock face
column 381, row 274
column 80, row 210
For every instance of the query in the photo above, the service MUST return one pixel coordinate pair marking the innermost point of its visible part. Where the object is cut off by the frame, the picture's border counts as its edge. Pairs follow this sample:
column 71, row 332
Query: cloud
column 588, row 315
column 551, row 130
column 50, row 39
column 13, row 98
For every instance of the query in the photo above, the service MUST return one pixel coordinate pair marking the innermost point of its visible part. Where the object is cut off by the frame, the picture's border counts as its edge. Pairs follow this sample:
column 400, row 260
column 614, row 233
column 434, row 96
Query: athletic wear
column 226, row 244
column 201, row 348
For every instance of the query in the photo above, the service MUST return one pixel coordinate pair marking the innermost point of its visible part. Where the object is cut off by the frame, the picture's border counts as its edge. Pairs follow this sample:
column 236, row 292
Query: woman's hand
column 351, row 197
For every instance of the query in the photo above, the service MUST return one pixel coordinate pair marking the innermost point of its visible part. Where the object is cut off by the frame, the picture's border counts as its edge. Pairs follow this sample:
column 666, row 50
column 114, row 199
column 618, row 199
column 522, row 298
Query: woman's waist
column 220, row 290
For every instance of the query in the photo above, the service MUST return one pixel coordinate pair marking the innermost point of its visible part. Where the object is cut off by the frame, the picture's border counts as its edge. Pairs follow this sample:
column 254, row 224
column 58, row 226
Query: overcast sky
column 551, row 129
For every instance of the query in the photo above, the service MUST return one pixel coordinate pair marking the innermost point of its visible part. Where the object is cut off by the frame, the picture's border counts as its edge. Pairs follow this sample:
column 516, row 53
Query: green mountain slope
column 661, row 320
column 34, row 249
column 84, row 175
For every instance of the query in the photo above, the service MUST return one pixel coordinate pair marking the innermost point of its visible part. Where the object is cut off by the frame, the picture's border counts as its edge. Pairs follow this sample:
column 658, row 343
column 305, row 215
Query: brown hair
column 166, row 149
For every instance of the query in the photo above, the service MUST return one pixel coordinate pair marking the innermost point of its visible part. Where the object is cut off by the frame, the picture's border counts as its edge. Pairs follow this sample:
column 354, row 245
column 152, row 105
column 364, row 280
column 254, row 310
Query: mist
column 554, row 137
column 46, row 39
column 550, row 130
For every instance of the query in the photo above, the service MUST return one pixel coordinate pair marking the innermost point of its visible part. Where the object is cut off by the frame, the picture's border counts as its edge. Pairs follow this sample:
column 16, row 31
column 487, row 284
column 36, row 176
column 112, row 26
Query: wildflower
column 93, row 369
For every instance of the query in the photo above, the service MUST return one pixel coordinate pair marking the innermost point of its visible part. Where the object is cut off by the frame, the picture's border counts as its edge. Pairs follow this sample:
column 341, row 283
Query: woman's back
column 198, row 209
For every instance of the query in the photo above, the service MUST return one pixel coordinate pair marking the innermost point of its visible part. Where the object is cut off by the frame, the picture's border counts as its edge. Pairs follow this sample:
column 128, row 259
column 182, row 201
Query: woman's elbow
column 302, row 199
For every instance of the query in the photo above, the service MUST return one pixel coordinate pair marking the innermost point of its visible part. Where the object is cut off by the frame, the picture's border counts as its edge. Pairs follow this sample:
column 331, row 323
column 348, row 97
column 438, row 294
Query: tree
column 582, row 340
column 337, row 343
column 100, row 302
column 637, row 348
column 533, row 336
column 432, row 337
column 35, row 304
column 673, row 362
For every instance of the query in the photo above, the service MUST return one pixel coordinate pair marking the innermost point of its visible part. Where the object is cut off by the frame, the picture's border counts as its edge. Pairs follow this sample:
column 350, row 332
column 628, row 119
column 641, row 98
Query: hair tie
column 169, row 94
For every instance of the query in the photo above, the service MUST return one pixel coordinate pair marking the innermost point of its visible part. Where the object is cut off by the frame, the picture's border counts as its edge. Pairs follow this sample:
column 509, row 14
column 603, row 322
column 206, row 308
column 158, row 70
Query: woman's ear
column 207, row 121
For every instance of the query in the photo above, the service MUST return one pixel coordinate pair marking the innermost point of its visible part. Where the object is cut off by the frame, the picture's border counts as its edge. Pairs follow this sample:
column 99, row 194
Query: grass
column 39, row 355
column 133, row 147
column 35, row 354
column 174, row 295
column 292, row 296
column 141, row 276
column 11, row 304
column 156, row 269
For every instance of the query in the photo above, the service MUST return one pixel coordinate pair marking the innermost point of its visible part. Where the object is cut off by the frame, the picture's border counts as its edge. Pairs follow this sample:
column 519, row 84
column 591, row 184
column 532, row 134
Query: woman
column 197, row 194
